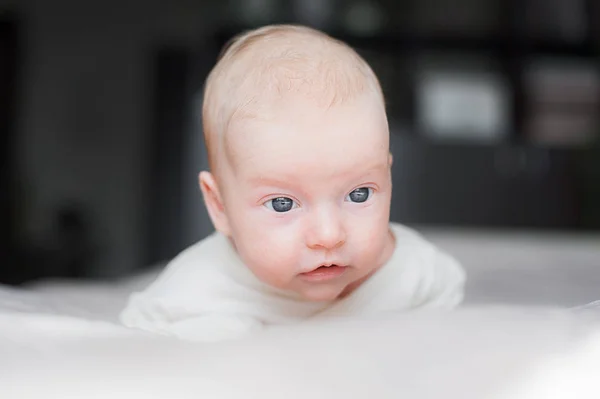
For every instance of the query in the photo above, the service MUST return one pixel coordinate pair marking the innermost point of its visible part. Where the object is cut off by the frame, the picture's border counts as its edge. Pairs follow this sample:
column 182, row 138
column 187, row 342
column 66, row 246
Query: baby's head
column 298, row 145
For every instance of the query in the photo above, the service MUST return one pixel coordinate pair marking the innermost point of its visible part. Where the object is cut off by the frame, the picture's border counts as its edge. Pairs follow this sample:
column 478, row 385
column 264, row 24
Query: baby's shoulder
column 410, row 241
column 201, row 263
column 412, row 246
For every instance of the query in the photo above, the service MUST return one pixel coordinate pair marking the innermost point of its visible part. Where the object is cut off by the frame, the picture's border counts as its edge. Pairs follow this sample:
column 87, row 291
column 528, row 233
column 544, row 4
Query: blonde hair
column 262, row 65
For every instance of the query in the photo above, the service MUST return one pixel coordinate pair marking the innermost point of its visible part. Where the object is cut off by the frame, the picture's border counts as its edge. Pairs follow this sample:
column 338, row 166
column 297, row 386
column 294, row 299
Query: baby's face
column 307, row 195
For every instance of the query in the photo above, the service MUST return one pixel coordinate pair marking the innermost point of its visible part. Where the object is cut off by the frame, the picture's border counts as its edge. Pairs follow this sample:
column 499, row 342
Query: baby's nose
column 327, row 231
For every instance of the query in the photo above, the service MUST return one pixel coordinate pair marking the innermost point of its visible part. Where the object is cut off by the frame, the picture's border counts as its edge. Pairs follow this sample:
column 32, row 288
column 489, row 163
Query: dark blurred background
column 494, row 109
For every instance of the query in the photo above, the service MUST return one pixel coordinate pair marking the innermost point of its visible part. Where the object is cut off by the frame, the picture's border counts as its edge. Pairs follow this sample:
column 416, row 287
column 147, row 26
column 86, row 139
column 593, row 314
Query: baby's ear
column 214, row 202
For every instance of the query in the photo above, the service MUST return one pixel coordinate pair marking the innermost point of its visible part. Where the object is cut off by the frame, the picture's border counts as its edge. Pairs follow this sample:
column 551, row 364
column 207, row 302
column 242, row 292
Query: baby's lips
column 324, row 273
column 326, row 264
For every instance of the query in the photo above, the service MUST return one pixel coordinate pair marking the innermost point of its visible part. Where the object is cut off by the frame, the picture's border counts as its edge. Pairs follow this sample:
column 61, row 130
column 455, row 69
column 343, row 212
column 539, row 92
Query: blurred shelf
column 507, row 143
column 501, row 185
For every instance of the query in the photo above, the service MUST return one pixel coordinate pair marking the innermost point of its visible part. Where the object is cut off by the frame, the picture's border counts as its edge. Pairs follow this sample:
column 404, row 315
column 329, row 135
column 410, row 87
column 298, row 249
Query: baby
column 299, row 193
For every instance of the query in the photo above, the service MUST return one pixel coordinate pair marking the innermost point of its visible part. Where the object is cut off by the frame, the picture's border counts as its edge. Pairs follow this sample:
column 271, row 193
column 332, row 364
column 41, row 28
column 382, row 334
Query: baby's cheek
column 271, row 258
column 370, row 241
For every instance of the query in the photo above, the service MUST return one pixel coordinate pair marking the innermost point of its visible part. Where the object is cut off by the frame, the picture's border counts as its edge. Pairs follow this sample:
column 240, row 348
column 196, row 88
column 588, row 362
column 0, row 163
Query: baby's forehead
column 301, row 138
column 297, row 116
column 309, row 172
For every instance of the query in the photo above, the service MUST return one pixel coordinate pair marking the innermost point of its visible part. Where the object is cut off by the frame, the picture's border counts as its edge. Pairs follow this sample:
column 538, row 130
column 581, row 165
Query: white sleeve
column 447, row 282
column 428, row 276
column 196, row 297
column 215, row 327
column 151, row 315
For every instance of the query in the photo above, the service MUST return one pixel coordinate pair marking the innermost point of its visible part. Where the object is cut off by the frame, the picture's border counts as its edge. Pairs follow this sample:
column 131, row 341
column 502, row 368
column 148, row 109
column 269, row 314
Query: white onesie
column 207, row 294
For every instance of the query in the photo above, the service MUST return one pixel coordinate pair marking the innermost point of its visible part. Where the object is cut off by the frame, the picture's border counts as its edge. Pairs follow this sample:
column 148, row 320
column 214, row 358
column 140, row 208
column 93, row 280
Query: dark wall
column 9, row 55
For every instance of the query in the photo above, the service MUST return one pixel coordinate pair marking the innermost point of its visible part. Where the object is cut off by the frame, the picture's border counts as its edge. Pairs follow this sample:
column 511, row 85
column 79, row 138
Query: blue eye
column 360, row 195
column 281, row 204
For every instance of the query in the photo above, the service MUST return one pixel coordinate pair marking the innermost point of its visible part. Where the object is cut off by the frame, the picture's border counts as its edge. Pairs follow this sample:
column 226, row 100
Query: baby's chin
column 320, row 292
column 331, row 290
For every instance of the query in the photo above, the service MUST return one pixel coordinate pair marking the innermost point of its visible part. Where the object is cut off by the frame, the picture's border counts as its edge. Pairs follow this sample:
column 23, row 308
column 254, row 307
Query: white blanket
column 479, row 353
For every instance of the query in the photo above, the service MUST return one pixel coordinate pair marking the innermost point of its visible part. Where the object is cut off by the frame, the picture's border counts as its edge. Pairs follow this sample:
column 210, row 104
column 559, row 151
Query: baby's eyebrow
column 287, row 181
column 269, row 181
column 363, row 173
column 376, row 168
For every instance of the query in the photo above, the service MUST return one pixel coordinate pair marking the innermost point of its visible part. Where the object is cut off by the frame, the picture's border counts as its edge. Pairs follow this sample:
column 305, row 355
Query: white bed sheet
column 526, row 268
column 84, row 299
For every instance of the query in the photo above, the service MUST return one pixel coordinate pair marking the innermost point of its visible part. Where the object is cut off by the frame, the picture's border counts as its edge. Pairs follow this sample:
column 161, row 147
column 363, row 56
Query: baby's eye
column 281, row 204
column 360, row 194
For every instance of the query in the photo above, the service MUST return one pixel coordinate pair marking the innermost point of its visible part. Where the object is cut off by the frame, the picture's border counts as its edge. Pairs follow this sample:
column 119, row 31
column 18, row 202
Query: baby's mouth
column 324, row 273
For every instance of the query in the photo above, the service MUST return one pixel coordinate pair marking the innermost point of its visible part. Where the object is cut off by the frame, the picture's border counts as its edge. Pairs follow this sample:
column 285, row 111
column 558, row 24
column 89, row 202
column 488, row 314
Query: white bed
column 60, row 340
column 526, row 268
